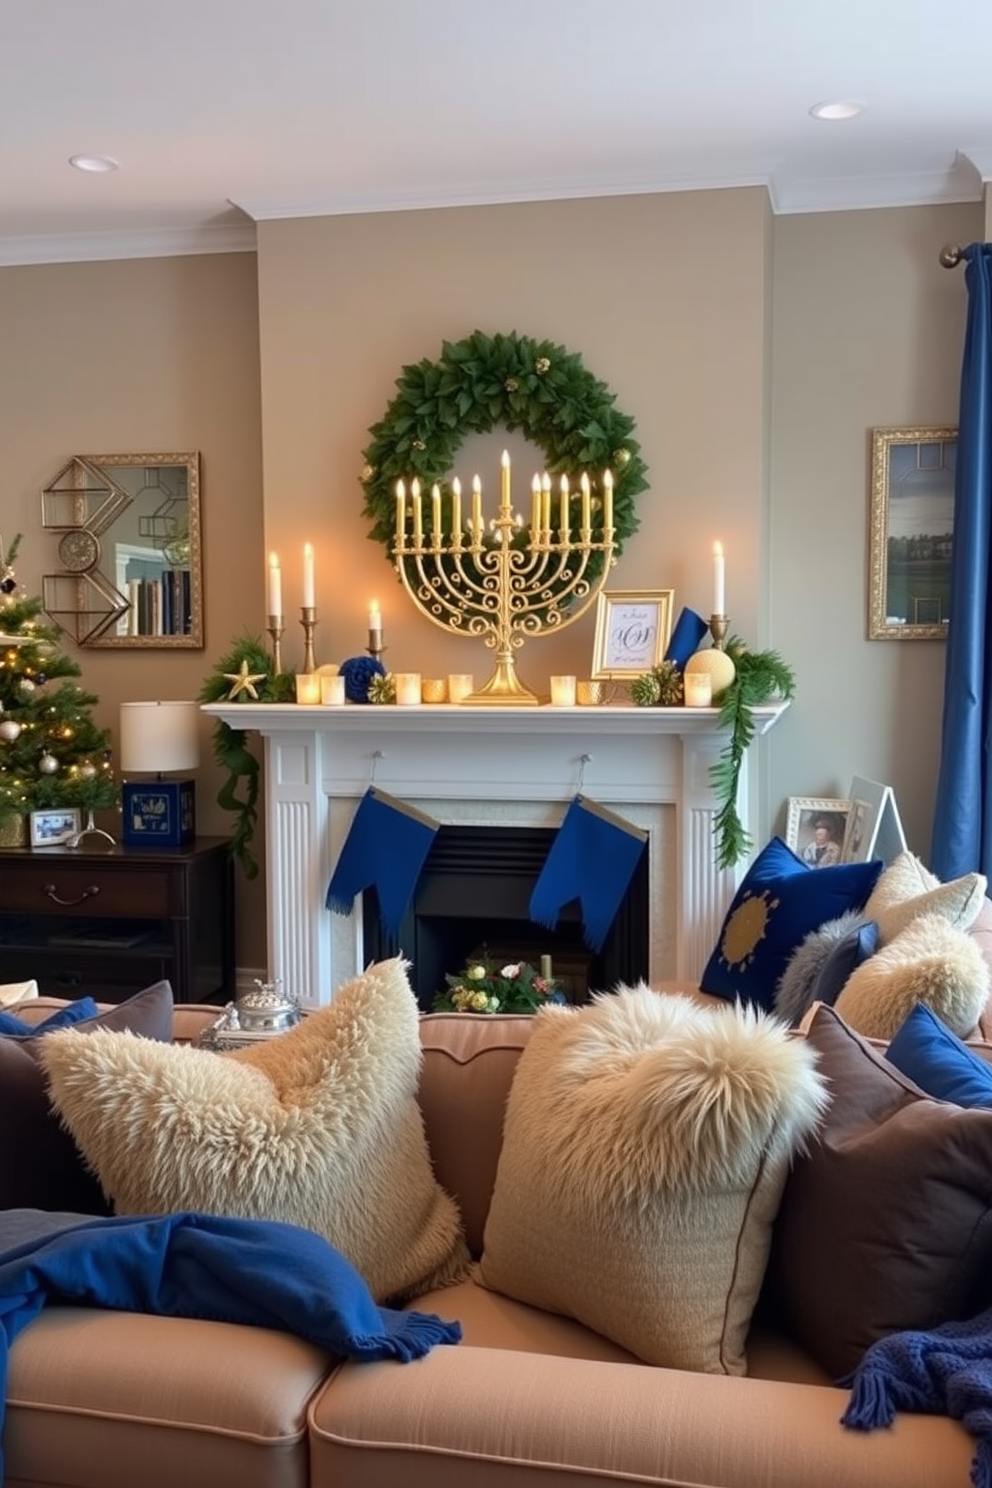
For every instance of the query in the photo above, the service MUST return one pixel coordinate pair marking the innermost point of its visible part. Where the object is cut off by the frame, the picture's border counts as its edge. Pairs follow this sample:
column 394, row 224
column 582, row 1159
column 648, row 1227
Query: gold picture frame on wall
column 633, row 628
column 911, row 528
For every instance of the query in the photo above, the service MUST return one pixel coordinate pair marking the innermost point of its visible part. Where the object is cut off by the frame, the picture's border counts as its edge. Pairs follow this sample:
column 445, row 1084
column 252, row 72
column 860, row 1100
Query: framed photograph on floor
column 911, row 529
column 632, row 632
column 815, row 829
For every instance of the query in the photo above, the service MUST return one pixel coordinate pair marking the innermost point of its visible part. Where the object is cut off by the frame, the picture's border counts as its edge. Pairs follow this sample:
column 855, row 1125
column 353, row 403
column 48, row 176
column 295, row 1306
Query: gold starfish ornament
column 243, row 681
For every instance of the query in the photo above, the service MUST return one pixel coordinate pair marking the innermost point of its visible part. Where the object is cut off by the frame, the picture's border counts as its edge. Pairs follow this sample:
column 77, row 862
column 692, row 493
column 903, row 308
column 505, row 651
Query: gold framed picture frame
column 816, row 827
column 633, row 627
column 911, row 529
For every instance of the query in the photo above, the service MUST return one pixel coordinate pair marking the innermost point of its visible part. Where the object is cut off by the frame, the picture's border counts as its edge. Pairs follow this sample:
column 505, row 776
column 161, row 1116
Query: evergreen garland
column 511, row 381
column 761, row 677
column 239, row 793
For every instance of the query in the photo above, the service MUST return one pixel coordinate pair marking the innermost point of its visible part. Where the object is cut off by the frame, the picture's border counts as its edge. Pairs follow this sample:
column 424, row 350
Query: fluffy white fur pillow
column 645, row 1149
column 906, row 890
column 318, row 1127
column 929, row 961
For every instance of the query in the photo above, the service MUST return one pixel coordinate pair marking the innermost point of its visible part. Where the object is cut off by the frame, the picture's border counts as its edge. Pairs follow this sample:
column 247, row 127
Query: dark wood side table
column 108, row 921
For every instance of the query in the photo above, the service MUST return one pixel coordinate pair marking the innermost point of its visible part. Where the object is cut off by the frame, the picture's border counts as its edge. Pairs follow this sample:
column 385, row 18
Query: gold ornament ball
column 719, row 665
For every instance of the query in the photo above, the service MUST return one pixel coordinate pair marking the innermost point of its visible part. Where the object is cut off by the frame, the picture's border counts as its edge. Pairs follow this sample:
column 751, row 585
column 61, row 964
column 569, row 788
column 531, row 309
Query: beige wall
column 868, row 332
column 753, row 353
column 143, row 355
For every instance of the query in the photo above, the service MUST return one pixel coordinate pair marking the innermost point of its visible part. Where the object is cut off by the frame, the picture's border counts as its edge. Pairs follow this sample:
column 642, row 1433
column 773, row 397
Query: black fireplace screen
column 472, row 899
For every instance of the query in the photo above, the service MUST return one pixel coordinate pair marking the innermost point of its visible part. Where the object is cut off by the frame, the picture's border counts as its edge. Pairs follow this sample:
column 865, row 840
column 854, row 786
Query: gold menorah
column 500, row 583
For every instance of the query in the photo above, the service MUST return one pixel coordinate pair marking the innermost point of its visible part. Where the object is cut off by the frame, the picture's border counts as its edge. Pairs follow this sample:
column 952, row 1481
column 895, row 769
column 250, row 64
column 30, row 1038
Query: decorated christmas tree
column 52, row 755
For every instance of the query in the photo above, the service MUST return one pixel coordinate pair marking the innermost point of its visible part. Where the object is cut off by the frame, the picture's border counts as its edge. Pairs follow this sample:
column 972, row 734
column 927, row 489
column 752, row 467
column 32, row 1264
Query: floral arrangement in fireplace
column 482, row 987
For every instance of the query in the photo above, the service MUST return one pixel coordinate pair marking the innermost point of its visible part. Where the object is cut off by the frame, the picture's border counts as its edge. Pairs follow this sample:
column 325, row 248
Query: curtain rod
column 950, row 256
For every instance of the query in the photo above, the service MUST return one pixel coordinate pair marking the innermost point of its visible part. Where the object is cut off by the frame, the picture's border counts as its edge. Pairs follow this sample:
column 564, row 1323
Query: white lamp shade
column 159, row 737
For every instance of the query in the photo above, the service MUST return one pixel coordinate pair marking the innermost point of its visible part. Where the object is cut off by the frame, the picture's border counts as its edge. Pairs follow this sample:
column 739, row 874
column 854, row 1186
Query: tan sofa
column 114, row 1400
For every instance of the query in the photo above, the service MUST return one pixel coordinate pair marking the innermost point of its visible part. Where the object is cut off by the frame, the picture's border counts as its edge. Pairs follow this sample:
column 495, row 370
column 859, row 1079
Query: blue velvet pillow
column 780, row 901
column 845, row 956
column 74, row 1012
column 929, row 1054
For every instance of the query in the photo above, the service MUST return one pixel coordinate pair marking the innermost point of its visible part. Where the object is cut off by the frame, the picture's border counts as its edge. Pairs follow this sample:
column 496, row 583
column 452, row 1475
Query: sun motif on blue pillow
column 745, row 928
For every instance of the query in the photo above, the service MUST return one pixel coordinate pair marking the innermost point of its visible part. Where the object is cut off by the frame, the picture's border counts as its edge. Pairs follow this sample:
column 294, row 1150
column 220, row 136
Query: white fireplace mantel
column 486, row 766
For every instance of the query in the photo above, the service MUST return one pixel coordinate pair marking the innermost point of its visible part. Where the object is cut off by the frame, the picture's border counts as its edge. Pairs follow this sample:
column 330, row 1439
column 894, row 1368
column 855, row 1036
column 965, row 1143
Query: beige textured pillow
column 645, row 1150
column 906, row 890
column 319, row 1127
column 930, row 961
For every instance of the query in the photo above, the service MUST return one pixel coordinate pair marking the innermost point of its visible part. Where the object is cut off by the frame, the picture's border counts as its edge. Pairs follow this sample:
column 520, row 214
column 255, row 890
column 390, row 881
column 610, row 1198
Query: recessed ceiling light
column 97, row 164
column 840, row 109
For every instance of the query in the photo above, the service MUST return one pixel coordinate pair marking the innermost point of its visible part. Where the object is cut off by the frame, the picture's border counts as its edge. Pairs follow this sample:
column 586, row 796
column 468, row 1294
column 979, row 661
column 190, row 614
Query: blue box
column 158, row 813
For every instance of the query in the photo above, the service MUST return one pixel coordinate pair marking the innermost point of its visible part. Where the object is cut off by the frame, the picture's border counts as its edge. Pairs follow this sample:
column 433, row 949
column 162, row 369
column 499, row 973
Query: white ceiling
column 225, row 111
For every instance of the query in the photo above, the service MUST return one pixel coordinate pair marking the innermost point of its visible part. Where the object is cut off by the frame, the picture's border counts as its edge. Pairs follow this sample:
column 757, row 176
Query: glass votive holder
column 590, row 693
column 563, row 692
column 434, row 690
column 697, row 688
column 407, row 689
column 460, row 684
column 307, row 687
column 332, row 691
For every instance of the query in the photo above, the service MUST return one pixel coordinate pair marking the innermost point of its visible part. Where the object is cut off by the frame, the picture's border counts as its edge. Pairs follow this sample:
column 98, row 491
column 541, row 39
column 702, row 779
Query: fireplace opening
column 473, row 898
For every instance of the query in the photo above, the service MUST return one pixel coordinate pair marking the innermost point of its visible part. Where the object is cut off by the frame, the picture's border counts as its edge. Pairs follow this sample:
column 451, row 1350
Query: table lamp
column 158, row 738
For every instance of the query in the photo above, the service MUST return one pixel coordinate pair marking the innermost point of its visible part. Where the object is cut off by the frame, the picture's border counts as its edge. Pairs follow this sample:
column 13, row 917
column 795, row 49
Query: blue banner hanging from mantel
column 592, row 859
column 385, row 849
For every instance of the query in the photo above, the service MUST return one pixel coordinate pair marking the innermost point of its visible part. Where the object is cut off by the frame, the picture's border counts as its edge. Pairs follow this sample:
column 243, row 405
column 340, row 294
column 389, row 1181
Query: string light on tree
column 49, row 740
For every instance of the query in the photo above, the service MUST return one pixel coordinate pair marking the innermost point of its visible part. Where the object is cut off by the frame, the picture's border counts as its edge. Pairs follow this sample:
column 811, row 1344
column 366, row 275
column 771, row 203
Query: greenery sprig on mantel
column 760, row 677
column 243, row 675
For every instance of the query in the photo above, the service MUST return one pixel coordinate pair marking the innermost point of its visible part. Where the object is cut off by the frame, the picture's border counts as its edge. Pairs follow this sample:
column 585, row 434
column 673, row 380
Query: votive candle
column 698, row 689
column 460, row 684
column 563, row 692
column 407, row 689
column 332, row 690
column 308, row 687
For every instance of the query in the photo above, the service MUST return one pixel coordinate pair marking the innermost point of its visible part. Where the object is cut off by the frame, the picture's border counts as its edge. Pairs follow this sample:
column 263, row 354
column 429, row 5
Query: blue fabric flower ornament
column 358, row 672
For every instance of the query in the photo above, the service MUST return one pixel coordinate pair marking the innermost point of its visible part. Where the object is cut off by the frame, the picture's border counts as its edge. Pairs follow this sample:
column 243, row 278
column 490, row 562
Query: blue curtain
column 962, row 832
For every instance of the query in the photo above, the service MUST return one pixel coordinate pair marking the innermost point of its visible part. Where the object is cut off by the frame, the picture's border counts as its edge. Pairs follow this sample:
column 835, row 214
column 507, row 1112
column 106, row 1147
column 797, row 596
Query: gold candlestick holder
column 375, row 648
column 719, row 625
column 276, row 630
column 308, row 619
column 503, row 585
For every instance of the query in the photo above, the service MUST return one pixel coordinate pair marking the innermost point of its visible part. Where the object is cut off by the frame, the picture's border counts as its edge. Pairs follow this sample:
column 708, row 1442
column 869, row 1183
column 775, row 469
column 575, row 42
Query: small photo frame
column 633, row 628
column 816, row 827
column 911, row 531
column 54, row 828
column 874, row 827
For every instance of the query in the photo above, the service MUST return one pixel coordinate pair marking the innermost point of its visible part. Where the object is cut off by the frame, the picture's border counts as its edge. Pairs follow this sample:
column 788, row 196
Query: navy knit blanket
column 257, row 1272
column 947, row 1371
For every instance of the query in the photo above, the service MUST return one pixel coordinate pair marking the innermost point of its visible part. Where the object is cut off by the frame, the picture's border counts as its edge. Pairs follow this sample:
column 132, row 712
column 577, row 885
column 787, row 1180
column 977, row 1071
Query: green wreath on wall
column 501, row 380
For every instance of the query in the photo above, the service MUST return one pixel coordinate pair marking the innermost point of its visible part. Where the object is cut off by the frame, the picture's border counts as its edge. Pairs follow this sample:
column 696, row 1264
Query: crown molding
column 163, row 242
column 959, row 183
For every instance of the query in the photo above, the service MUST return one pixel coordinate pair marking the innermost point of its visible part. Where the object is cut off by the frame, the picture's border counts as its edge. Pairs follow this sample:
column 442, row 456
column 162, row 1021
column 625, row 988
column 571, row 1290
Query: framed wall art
column 632, row 631
column 911, row 527
column 815, row 829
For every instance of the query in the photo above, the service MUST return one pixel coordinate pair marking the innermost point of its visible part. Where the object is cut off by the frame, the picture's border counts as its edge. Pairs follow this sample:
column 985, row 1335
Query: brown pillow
column 886, row 1222
column 40, row 1165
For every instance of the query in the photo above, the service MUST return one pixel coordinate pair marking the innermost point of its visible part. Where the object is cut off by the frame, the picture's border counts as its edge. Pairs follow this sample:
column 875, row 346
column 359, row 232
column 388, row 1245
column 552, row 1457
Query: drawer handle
column 88, row 893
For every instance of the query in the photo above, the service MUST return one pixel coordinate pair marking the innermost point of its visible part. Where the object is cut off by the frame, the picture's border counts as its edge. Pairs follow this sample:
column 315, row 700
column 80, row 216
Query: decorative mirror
column 129, row 550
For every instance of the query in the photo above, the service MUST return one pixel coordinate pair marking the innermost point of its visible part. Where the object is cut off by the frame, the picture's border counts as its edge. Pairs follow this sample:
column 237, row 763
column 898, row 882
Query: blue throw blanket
column 257, row 1272
column 947, row 1371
